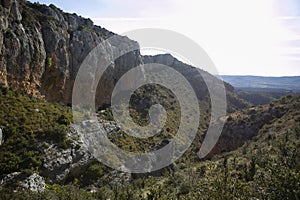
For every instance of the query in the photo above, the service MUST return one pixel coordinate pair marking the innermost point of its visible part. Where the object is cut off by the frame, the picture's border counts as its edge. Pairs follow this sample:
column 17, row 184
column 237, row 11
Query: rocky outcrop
column 35, row 183
column 41, row 49
column 10, row 180
column 1, row 137
column 59, row 163
column 21, row 181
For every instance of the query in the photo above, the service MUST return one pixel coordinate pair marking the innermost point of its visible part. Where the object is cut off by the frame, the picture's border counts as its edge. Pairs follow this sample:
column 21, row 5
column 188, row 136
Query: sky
column 242, row 37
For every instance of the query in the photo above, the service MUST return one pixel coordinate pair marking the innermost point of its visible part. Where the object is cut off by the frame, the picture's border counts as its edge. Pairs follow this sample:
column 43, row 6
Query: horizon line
column 272, row 76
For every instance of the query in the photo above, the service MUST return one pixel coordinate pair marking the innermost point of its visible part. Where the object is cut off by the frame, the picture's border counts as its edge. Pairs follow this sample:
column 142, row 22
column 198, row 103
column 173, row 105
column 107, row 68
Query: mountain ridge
column 42, row 48
column 42, row 156
column 264, row 83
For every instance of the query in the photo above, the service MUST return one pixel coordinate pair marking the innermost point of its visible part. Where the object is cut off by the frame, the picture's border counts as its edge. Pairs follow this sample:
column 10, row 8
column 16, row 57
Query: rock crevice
column 42, row 48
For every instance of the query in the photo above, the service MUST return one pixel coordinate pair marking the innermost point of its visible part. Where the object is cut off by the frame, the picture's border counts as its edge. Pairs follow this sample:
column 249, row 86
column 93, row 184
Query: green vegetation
column 27, row 123
column 257, row 156
column 260, row 97
column 265, row 167
column 30, row 14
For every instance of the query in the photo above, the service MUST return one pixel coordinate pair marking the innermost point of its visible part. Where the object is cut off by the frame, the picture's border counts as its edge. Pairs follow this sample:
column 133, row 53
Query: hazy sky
column 244, row 37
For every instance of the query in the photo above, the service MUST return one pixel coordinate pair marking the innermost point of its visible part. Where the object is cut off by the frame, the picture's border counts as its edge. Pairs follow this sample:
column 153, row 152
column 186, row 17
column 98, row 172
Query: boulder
column 35, row 183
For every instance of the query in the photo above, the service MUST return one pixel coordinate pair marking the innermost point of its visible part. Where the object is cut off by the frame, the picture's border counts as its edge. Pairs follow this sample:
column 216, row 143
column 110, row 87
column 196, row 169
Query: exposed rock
column 18, row 180
column 35, row 183
column 22, row 56
column 9, row 180
column 3, row 26
column 1, row 137
column 92, row 134
column 42, row 48
column 15, row 13
column 116, row 177
column 58, row 162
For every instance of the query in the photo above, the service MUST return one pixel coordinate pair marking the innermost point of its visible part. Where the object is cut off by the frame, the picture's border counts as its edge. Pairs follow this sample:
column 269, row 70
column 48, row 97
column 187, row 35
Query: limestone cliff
column 41, row 49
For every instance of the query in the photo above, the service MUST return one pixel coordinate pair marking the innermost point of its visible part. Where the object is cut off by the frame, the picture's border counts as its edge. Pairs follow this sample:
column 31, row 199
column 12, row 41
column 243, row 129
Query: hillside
column 261, row 97
column 42, row 155
column 259, row 90
column 195, row 79
column 259, row 148
column 242, row 126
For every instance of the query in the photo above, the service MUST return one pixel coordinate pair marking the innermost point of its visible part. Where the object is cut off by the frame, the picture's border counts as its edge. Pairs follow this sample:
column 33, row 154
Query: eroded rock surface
column 42, row 48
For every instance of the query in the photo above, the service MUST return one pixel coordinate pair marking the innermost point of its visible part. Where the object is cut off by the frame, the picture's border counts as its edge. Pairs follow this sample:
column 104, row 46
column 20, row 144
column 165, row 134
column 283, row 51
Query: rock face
column 1, row 137
column 35, row 183
column 9, row 180
column 41, row 49
column 58, row 162
column 17, row 180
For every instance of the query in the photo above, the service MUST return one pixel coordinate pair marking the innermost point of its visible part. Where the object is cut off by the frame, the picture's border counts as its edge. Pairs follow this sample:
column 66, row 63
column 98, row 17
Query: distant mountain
column 260, row 83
